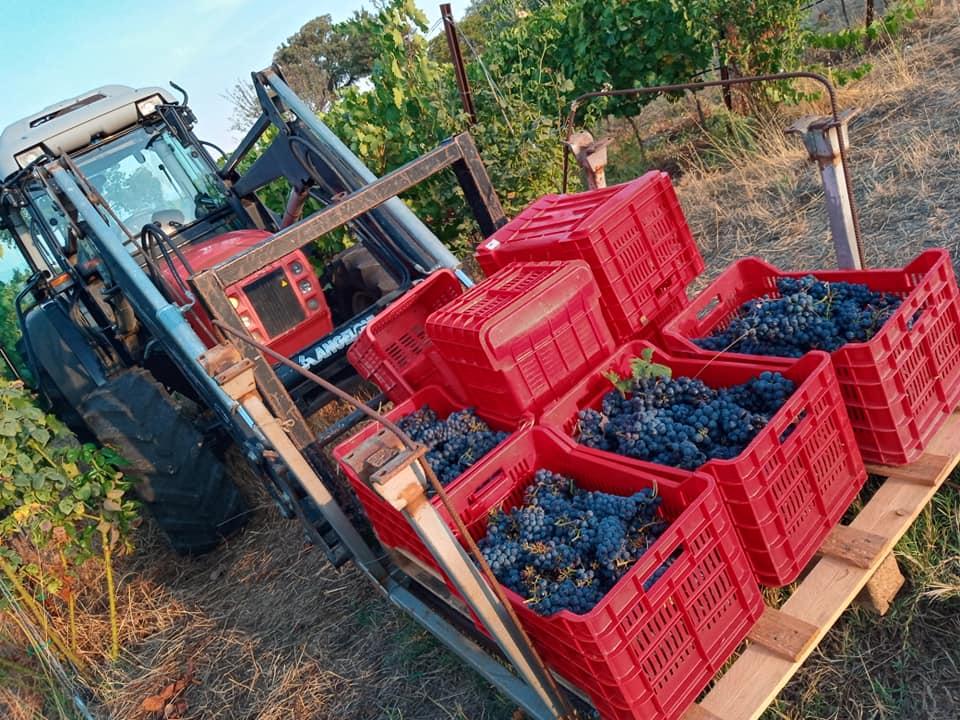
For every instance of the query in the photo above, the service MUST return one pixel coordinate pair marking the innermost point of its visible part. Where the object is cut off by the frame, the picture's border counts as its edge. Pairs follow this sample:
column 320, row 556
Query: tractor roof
column 73, row 123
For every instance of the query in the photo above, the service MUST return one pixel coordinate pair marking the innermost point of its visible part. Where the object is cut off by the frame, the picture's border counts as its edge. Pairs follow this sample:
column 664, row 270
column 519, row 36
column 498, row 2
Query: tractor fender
column 61, row 359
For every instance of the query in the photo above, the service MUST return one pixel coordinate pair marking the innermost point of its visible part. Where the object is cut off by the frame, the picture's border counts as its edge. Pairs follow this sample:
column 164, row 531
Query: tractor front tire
column 358, row 280
column 182, row 482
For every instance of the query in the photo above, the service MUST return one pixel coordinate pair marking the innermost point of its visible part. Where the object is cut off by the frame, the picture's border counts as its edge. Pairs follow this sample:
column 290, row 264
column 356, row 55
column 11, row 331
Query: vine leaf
column 644, row 367
column 622, row 384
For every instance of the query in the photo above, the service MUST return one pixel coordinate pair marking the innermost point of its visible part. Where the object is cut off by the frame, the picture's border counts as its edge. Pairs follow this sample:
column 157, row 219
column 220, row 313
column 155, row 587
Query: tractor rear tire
column 182, row 482
column 358, row 280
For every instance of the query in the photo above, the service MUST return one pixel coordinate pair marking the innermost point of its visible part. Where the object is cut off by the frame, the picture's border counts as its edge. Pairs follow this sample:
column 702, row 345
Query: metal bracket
column 823, row 138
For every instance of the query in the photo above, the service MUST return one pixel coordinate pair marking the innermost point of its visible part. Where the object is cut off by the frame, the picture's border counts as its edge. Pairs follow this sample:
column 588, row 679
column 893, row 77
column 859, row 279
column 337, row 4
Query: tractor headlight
column 149, row 105
column 29, row 156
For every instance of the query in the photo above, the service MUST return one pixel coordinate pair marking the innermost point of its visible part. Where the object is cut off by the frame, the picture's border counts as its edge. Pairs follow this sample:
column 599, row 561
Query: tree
column 246, row 107
column 9, row 327
column 318, row 61
column 323, row 57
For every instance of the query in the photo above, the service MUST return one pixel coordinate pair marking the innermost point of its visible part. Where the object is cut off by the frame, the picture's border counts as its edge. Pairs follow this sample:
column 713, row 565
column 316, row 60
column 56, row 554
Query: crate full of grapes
column 634, row 236
column 457, row 437
column 775, row 437
column 893, row 334
column 630, row 582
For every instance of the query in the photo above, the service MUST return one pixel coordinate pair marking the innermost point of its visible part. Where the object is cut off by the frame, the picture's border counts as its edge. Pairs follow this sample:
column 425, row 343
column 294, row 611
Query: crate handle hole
column 708, row 308
column 656, row 573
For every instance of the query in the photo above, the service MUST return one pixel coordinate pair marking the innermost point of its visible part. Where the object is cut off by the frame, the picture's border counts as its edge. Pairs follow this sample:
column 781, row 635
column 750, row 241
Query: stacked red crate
column 522, row 337
column 634, row 236
column 393, row 350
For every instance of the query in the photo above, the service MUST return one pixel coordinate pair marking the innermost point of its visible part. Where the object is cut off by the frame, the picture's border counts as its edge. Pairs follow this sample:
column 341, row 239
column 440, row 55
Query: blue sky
column 51, row 50
column 54, row 49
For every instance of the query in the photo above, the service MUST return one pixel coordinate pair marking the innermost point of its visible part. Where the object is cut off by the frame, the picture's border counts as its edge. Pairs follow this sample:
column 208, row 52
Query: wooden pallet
column 856, row 561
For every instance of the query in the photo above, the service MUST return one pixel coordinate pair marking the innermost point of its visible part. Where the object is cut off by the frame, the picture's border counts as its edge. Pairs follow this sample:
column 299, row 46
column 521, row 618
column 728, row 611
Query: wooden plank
column 783, row 635
column 757, row 676
column 857, row 547
column 930, row 469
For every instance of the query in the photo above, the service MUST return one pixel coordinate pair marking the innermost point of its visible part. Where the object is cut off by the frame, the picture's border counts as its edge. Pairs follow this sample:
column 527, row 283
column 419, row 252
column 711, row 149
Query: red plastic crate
column 786, row 490
column 652, row 332
column 393, row 350
column 901, row 385
column 523, row 336
column 634, row 236
column 639, row 653
column 389, row 523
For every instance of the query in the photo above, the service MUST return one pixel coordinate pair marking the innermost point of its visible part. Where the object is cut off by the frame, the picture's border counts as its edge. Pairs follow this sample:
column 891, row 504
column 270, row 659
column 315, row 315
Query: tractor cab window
column 148, row 176
column 14, row 271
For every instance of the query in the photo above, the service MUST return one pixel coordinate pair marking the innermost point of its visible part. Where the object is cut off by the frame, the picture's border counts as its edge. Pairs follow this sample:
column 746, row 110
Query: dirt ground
column 266, row 629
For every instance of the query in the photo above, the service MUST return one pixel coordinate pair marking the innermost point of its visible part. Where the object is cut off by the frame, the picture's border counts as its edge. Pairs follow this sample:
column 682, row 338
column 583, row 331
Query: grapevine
column 564, row 547
column 810, row 314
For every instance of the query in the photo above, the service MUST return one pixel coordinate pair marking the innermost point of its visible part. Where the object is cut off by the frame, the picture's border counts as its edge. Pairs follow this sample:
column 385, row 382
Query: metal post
column 456, row 57
column 822, row 137
column 396, row 475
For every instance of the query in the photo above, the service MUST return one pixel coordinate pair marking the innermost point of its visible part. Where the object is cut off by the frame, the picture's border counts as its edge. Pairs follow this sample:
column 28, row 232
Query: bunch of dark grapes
column 809, row 314
column 455, row 443
column 564, row 548
column 683, row 423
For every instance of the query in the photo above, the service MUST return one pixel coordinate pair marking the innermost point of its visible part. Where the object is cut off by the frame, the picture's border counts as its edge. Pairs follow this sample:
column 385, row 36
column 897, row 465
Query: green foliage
column 640, row 368
column 413, row 106
column 609, row 43
column 895, row 20
column 756, row 37
column 9, row 327
column 55, row 492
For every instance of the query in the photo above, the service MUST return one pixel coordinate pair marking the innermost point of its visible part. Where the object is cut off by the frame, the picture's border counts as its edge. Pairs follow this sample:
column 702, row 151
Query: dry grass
column 272, row 631
column 905, row 158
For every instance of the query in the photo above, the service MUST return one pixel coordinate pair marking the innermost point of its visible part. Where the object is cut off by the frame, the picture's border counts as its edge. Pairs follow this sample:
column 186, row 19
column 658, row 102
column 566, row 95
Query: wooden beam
column 929, row 469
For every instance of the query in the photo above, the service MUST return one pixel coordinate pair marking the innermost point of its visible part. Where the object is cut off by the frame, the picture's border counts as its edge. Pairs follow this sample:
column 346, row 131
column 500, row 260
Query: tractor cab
column 155, row 190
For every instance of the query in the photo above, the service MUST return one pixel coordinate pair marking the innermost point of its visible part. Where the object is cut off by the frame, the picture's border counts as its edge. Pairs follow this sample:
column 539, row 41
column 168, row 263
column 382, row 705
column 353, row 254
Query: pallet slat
column 753, row 681
column 927, row 470
column 863, row 549
column 783, row 634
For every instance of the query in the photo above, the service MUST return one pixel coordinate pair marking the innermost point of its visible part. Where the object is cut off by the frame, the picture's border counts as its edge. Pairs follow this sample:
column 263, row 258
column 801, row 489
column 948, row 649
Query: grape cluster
column 681, row 422
column 455, row 443
column 810, row 314
column 563, row 548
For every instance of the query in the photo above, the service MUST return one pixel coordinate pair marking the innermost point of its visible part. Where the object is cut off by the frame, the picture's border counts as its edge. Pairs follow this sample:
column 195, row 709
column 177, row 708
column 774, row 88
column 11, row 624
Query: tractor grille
column 274, row 299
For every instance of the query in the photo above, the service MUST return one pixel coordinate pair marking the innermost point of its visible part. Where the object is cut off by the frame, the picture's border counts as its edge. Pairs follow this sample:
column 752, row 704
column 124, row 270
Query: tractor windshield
column 149, row 176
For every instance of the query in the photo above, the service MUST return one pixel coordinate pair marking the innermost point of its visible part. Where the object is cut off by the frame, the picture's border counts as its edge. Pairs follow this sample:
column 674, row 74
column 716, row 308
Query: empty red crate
column 791, row 484
column 523, row 336
column 901, row 385
column 639, row 653
column 634, row 236
column 389, row 523
column 393, row 350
